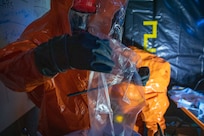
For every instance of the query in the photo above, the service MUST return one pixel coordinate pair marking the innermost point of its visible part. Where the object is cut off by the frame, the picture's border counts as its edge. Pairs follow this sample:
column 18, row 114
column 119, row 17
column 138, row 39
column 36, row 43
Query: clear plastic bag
column 115, row 99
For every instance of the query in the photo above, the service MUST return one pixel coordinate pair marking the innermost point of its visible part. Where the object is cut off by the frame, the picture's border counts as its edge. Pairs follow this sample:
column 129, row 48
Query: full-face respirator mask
column 79, row 14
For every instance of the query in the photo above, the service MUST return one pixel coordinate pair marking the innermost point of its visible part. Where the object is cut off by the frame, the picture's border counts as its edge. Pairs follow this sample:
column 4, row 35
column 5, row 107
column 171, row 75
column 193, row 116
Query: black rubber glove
column 83, row 51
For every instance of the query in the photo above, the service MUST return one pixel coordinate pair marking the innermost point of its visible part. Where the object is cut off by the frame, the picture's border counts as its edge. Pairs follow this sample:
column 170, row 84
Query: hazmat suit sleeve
column 17, row 67
column 19, row 72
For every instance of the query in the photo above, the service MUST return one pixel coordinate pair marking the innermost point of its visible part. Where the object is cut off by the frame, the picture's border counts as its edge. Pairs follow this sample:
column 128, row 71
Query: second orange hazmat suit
column 19, row 73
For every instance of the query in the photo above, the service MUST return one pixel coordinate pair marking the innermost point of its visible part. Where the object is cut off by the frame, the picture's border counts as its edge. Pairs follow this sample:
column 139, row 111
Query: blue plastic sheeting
column 189, row 99
column 178, row 36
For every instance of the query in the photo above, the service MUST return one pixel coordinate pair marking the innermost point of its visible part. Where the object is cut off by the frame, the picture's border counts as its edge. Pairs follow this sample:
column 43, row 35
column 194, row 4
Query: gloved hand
column 83, row 51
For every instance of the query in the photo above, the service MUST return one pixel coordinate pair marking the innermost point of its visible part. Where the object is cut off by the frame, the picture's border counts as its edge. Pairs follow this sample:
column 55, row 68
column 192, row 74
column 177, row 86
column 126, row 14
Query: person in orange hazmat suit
column 155, row 93
column 48, row 62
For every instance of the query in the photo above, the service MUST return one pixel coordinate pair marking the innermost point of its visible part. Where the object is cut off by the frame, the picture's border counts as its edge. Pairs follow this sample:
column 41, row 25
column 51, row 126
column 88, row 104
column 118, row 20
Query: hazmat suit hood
column 57, row 16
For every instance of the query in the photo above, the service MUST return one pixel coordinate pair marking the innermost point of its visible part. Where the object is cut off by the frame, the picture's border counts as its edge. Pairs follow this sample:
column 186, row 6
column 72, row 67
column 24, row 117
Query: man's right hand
column 83, row 51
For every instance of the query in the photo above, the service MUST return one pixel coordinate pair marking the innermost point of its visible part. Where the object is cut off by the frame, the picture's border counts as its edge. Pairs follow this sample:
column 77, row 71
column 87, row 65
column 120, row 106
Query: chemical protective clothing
column 59, row 114
column 155, row 92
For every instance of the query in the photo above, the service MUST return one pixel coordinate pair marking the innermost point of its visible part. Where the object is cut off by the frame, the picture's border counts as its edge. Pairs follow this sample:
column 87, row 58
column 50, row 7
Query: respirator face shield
column 78, row 21
column 79, row 14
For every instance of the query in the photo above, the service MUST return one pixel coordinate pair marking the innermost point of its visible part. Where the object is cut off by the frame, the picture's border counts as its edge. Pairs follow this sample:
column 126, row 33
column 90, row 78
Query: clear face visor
column 78, row 21
column 79, row 14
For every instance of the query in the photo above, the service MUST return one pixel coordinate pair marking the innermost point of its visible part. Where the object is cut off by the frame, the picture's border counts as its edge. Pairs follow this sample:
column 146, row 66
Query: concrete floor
column 24, row 125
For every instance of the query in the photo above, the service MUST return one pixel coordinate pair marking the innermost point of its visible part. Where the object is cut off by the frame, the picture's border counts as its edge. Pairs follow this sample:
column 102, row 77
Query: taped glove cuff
column 51, row 57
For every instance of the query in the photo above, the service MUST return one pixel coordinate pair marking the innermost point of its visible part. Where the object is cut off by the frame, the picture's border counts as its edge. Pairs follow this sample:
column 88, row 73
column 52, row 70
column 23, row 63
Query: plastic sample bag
column 115, row 99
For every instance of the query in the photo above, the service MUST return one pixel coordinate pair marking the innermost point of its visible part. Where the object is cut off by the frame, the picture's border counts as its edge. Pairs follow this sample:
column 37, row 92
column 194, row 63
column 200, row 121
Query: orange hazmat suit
column 155, row 91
